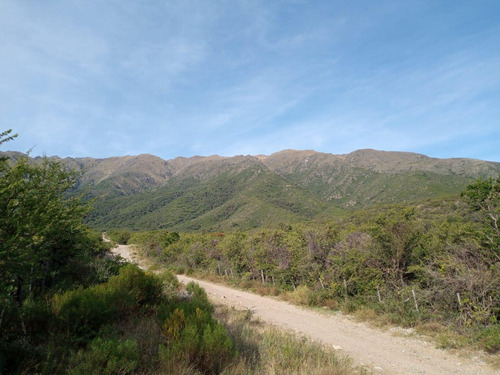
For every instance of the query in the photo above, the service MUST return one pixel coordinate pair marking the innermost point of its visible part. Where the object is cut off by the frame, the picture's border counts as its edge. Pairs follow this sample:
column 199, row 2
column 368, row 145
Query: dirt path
column 386, row 352
column 126, row 252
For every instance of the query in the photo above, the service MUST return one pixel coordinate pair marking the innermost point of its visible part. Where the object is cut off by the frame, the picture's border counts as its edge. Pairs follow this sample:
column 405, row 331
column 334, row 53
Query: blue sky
column 182, row 78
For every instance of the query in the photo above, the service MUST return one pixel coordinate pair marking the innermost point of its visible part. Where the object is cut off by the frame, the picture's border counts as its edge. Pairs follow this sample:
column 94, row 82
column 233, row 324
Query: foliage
column 44, row 249
column 267, row 350
column 5, row 137
column 170, row 283
column 387, row 260
column 248, row 197
column 121, row 237
column 42, row 238
column 82, row 312
column 69, row 308
column 105, row 357
column 194, row 337
column 484, row 197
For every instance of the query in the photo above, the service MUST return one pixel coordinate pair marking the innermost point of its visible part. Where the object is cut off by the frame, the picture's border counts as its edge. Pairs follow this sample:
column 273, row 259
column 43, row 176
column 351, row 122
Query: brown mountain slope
column 243, row 191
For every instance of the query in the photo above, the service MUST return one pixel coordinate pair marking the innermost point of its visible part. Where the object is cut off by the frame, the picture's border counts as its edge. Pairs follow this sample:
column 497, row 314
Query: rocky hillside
column 221, row 193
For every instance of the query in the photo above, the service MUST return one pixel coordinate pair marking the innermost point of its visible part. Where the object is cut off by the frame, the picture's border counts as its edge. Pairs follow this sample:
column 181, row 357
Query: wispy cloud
column 201, row 77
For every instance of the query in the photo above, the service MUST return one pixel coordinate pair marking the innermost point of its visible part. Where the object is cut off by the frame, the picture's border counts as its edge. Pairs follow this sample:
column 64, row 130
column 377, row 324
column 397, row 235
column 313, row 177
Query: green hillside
column 244, row 199
column 244, row 192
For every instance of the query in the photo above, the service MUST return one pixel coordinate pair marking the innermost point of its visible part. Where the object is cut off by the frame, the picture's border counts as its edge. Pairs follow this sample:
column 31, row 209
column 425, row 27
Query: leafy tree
column 5, row 137
column 483, row 196
column 235, row 250
column 41, row 230
column 398, row 235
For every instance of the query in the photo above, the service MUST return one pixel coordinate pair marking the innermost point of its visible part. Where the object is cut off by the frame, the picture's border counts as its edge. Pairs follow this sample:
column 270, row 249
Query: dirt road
column 386, row 352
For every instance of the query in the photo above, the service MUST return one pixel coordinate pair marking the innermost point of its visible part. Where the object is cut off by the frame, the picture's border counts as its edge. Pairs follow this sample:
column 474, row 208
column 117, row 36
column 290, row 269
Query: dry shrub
column 365, row 314
column 430, row 328
column 332, row 304
column 246, row 284
column 261, row 291
column 300, row 296
column 264, row 290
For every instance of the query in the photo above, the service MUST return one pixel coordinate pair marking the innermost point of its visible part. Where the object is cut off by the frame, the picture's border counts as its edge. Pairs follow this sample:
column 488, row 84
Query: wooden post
column 321, row 282
column 225, row 271
column 218, row 267
column 262, row 276
column 378, row 295
column 459, row 300
column 415, row 299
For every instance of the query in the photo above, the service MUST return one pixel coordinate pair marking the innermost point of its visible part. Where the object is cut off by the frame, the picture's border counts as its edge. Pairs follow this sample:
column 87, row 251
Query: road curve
column 385, row 352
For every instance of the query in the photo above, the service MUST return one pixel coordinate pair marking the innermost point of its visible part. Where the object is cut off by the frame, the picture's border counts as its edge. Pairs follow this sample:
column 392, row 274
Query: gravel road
column 385, row 352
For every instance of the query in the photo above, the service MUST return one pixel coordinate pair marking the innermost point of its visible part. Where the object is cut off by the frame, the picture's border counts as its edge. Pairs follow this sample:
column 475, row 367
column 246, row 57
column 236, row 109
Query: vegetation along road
column 386, row 352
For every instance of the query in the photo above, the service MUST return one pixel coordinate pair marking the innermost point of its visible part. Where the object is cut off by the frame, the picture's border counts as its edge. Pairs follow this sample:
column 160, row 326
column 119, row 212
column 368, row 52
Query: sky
column 182, row 78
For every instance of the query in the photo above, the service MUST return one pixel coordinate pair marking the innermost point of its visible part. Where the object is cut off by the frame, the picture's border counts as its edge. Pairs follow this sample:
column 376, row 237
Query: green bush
column 300, row 296
column 119, row 236
column 198, row 340
column 81, row 312
column 170, row 282
column 145, row 288
column 37, row 317
column 12, row 355
column 217, row 349
column 106, row 357
column 490, row 339
column 193, row 336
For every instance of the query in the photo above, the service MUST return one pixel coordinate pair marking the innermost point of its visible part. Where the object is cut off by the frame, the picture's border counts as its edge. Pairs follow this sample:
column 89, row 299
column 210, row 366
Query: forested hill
column 221, row 193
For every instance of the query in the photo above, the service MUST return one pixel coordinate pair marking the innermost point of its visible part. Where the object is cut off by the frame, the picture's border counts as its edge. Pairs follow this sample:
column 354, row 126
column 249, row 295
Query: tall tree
column 41, row 230
column 483, row 196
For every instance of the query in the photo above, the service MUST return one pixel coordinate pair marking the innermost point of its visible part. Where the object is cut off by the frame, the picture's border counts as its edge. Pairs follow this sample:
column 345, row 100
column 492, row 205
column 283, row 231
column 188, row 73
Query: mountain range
column 243, row 192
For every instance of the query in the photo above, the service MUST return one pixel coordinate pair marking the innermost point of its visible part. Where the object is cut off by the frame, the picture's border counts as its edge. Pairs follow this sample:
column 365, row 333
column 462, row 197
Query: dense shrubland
column 434, row 266
column 69, row 307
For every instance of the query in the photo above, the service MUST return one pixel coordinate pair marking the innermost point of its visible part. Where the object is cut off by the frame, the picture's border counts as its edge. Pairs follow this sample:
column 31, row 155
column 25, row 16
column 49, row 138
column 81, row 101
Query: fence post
column 415, row 299
column 378, row 295
column 321, row 282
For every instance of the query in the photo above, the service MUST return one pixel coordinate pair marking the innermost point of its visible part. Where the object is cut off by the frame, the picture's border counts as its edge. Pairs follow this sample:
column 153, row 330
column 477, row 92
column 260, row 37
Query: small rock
column 336, row 347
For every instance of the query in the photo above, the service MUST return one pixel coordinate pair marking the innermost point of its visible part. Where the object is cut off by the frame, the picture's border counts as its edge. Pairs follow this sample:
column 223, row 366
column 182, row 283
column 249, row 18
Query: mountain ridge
column 247, row 191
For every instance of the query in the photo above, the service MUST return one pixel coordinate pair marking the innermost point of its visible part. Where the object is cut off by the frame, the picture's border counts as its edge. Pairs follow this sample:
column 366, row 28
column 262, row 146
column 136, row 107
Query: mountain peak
column 222, row 193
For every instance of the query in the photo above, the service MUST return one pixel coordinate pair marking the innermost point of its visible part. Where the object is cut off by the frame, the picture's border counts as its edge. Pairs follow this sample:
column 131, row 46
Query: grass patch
column 267, row 350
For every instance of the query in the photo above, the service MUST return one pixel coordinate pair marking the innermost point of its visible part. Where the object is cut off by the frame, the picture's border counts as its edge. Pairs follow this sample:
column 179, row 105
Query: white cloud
column 243, row 77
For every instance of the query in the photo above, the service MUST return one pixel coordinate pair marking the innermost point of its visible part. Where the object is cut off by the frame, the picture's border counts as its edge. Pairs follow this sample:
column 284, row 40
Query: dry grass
column 332, row 304
column 300, row 296
column 365, row 314
column 267, row 350
column 430, row 329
